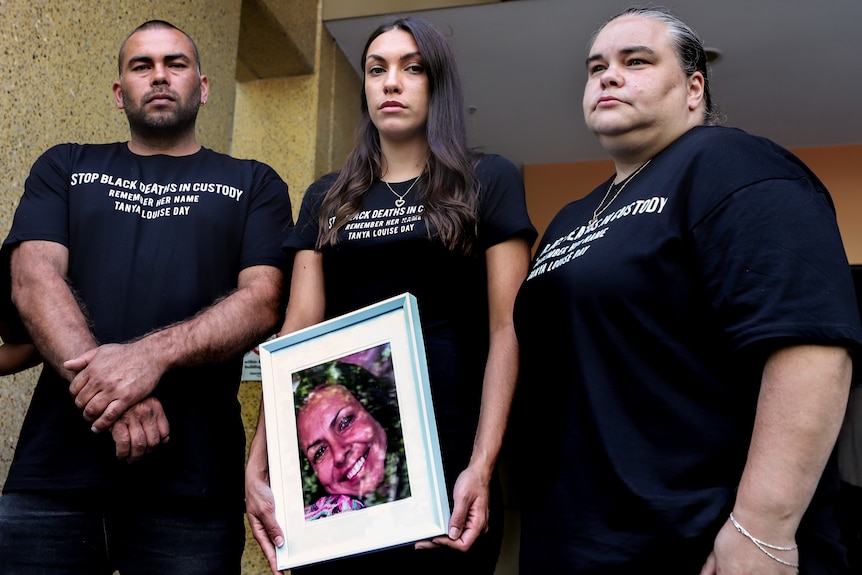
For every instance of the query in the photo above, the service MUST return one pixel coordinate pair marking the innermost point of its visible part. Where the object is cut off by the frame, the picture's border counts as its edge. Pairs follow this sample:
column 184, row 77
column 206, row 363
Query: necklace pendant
column 400, row 201
column 602, row 207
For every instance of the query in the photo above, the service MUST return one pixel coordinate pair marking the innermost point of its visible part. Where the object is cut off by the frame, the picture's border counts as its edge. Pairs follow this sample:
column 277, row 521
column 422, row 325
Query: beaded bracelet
column 763, row 545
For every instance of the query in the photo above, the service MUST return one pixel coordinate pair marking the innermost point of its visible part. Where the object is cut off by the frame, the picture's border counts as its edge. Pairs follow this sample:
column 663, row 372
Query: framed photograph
column 354, row 457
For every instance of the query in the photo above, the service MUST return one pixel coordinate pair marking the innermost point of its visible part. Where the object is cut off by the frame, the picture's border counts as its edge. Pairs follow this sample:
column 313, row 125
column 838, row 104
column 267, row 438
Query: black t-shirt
column 385, row 251
column 643, row 339
column 152, row 240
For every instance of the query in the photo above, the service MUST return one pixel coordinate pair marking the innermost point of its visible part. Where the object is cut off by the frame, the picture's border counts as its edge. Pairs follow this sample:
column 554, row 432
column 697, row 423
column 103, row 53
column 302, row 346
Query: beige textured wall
column 301, row 125
column 59, row 60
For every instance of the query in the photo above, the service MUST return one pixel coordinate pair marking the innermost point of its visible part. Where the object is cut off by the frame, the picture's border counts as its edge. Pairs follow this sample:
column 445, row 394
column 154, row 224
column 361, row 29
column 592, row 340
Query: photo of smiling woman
column 349, row 434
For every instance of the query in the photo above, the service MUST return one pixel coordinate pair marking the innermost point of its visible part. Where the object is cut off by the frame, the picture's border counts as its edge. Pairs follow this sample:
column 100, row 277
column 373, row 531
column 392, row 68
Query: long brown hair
column 448, row 187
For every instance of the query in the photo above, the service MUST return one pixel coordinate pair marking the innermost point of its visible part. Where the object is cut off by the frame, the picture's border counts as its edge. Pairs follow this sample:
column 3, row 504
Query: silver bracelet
column 763, row 545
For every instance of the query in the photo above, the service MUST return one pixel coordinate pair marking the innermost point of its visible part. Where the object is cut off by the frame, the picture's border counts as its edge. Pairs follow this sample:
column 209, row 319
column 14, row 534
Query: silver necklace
column 600, row 209
column 400, row 201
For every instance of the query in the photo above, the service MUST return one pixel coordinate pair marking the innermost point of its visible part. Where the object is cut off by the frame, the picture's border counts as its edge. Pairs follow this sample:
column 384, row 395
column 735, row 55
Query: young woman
column 412, row 210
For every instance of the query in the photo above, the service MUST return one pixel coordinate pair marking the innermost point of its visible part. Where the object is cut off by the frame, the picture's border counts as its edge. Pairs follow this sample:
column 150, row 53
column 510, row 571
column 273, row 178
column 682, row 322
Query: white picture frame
column 390, row 327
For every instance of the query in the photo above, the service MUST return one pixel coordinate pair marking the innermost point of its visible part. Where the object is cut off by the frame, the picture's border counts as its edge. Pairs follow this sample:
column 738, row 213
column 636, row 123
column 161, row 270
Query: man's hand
column 141, row 430
column 111, row 379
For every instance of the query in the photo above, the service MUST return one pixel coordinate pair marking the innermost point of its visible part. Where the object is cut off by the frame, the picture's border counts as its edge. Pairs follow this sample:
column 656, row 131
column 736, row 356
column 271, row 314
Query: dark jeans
column 71, row 533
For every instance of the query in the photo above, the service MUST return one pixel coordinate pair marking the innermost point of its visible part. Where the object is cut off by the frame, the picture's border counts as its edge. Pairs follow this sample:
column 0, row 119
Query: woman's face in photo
column 345, row 445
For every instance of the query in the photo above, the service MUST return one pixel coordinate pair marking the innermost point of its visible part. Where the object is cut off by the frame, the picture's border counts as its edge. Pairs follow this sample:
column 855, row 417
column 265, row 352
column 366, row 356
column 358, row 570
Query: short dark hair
column 154, row 25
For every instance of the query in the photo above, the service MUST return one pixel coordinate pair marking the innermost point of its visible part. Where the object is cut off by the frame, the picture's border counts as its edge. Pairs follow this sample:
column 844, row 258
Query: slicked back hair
column 687, row 45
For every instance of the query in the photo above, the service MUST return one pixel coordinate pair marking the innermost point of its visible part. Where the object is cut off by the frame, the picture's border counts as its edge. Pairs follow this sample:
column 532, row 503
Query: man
column 142, row 270
column 684, row 334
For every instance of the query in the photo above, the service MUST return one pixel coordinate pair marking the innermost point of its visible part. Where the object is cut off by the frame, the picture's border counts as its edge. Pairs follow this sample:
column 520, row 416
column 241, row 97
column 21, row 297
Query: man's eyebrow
column 148, row 59
column 178, row 56
column 138, row 60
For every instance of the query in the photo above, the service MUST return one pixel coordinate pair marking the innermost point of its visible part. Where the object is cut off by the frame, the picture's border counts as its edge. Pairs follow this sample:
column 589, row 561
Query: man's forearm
column 231, row 326
column 114, row 377
column 47, row 304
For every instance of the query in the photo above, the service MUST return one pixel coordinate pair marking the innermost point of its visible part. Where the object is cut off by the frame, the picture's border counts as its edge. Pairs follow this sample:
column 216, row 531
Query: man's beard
column 181, row 118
